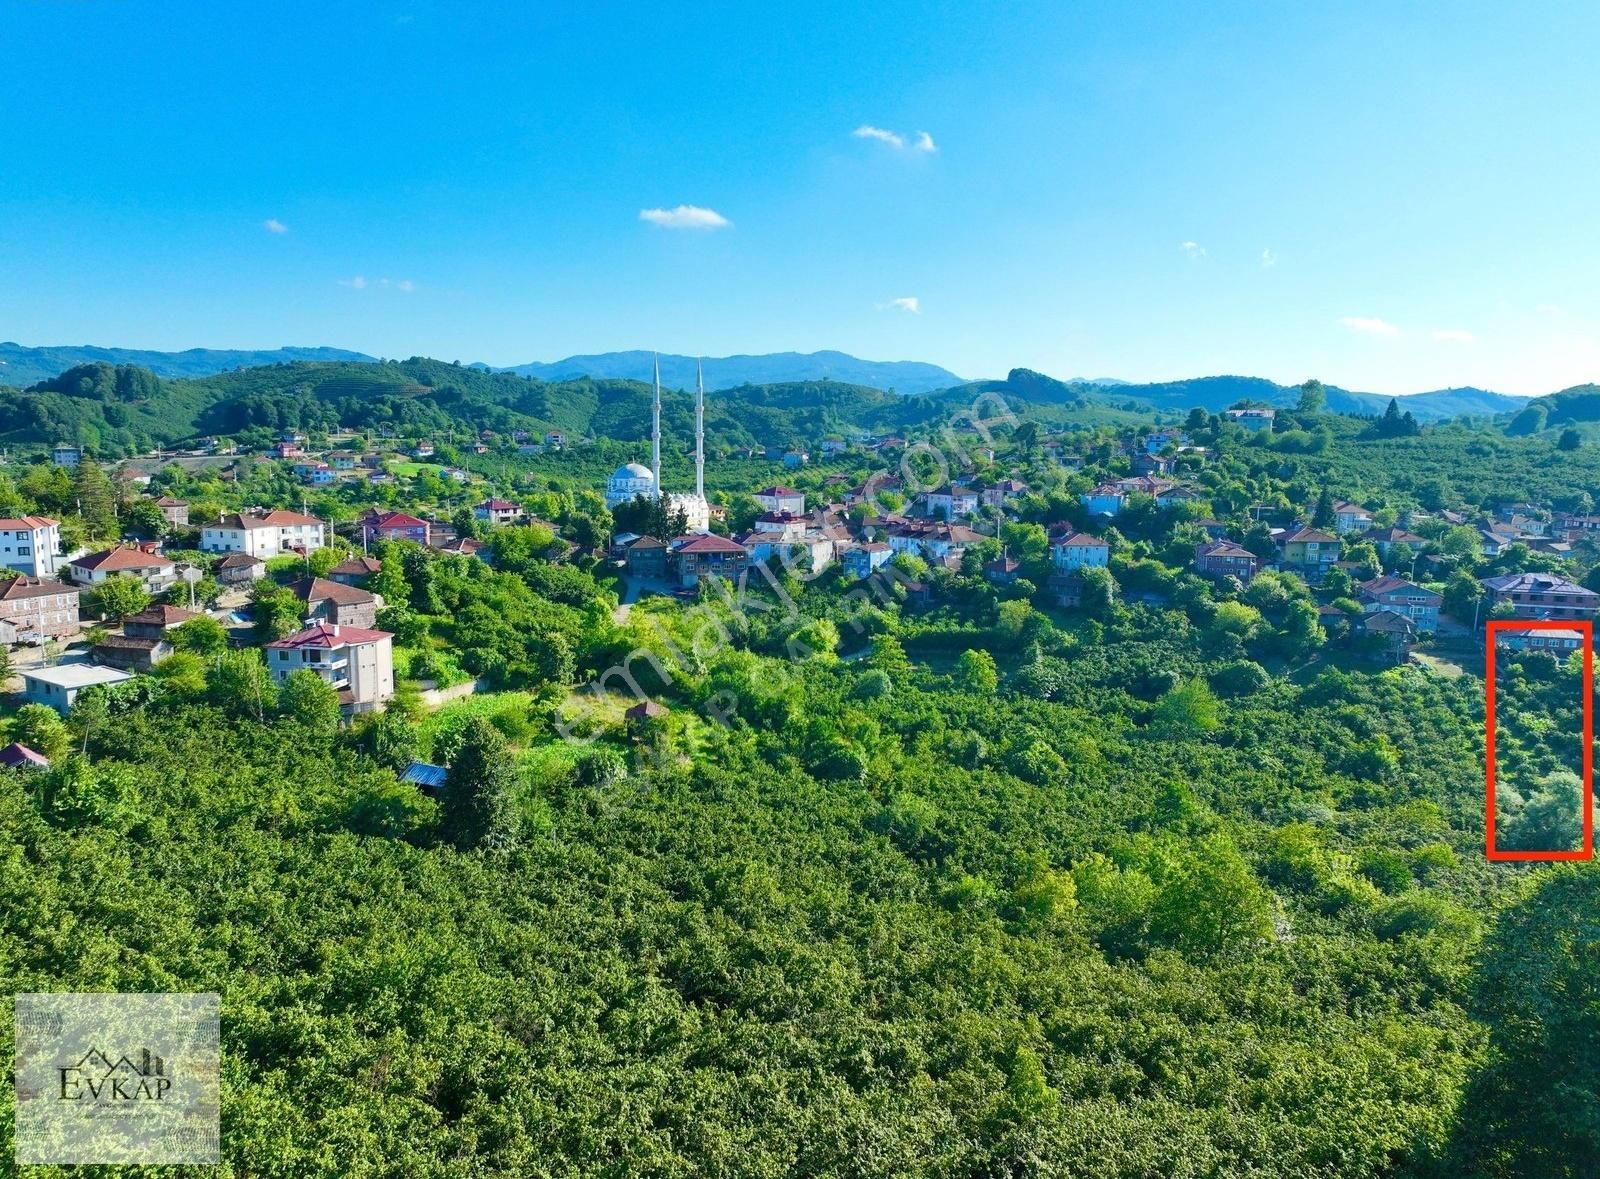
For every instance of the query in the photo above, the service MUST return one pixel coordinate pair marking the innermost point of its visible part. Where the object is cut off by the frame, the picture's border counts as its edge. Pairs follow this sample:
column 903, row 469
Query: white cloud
column 1193, row 249
column 273, row 225
column 685, row 217
column 1453, row 336
column 357, row 283
column 1369, row 326
column 868, row 131
column 925, row 142
column 1268, row 259
column 908, row 303
column 1551, row 309
column 406, row 285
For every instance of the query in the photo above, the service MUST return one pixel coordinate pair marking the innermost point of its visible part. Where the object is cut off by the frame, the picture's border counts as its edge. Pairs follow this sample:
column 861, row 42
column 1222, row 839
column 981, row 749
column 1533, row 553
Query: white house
column 66, row 455
column 1105, row 500
column 356, row 661
column 782, row 499
column 1079, row 550
column 264, row 535
column 154, row 570
column 59, row 686
column 1348, row 517
column 950, row 503
column 1252, row 419
column 31, row 545
column 497, row 511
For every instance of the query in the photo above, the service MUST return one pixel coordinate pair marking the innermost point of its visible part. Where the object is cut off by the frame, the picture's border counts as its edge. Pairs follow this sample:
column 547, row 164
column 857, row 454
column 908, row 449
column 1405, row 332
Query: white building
column 356, row 661
column 154, row 570
column 264, row 535
column 1079, row 550
column 782, row 499
column 31, row 545
column 59, row 686
column 497, row 511
column 1252, row 419
column 628, row 482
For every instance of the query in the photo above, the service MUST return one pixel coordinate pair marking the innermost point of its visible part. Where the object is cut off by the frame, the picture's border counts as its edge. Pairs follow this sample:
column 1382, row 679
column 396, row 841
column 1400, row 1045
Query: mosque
column 635, row 479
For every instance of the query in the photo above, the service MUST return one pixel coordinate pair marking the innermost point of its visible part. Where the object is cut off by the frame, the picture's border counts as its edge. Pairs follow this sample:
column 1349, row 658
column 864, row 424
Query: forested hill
column 22, row 366
column 127, row 409
column 1217, row 393
column 1570, row 407
column 731, row 372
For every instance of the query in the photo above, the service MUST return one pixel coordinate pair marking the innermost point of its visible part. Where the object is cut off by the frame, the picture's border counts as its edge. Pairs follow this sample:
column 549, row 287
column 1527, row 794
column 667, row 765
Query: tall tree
column 480, row 791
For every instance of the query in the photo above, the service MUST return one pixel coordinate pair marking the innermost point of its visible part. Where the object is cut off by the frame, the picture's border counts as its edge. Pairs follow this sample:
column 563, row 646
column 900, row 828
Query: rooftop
column 75, row 675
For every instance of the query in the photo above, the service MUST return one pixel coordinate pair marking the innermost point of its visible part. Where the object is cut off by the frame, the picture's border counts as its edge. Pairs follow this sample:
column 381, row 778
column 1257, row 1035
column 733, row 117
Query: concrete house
column 1104, row 500
column 1252, row 419
column 863, row 560
column 1559, row 643
column 497, row 511
column 781, row 499
column 1079, row 550
column 1348, row 517
column 359, row 663
column 1420, row 605
column 1542, row 595
column 238, row 569
column 31, row 545
column 174, row 511
column 376, row 525
column 264, row 534
column 708, row 555
column 154, row 570
column 59, row 686
column 1224, row 558
column 1310, row 550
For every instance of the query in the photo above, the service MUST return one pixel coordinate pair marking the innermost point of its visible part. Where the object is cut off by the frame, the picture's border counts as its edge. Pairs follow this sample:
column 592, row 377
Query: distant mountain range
column 1216, row 393
column 22, row 366
column 731, row 372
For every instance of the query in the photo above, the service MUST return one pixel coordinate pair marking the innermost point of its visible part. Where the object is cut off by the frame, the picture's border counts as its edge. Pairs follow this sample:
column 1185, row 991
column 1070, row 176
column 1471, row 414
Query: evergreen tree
column 480, row 792
column 94, row 497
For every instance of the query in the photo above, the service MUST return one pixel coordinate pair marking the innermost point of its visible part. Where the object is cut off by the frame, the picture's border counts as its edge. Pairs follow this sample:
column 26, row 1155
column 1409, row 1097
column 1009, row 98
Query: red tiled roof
column 777, row 491
column 21, row 523
column 394, row 520
column 707, row 543
column 331, row 637
column 160, row 616
column 358, row 566
column 113, row 560
column 319, row 589
column 238, row 561
column 1081, row 540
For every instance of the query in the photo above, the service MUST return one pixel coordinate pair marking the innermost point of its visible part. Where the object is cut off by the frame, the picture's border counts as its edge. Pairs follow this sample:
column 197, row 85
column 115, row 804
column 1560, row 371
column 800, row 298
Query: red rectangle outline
column 1587, row 628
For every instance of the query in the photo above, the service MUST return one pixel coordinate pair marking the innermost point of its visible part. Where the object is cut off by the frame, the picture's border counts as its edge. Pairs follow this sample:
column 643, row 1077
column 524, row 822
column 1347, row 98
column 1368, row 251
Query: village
column 101, row 615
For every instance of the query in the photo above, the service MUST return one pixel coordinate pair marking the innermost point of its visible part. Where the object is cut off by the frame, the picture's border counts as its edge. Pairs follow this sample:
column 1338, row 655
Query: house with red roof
column 357, row 662
column 31, row 545
column 33, row 609
column 264, row 534
column 497, row 511
column 154, row 570
column 376, row 525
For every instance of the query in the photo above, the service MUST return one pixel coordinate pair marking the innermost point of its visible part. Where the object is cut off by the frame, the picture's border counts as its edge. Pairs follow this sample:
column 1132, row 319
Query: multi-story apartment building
column 31, row 545
column 1224, row 558
column 357, row 662
column 1542, row 595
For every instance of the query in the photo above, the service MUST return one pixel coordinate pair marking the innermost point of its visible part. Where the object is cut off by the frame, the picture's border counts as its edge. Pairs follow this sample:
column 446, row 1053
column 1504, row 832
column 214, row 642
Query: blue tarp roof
column 424, row 774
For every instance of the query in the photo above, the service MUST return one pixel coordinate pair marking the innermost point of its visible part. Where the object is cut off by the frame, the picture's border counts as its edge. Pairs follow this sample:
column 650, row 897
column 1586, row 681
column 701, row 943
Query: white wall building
column 264, row 535
column 628, row 482
column 31, row 545
column 356, row 661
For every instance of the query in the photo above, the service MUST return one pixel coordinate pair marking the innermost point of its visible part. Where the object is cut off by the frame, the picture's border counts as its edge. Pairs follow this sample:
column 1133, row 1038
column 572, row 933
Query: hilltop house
column 359, row 663
column 1349, row 517
column 862, row 560
column 143, row 642
column 1105, row 500
column 1384, row 538
column 264, row 534
column 1252, row 419
column 1551, row 642
column 1079, row 550
column 1420, row 605
column 31, row 545
column 64, row 454
column 355, row 570
column 174, row 511
column 781, row 499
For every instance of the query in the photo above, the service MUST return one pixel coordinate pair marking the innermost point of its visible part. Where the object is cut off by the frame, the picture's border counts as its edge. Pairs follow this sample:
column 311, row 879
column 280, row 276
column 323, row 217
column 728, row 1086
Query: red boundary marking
column 1518, row 624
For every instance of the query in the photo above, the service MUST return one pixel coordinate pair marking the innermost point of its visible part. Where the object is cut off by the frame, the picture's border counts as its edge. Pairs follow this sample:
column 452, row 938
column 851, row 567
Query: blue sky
column 1390, row 197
